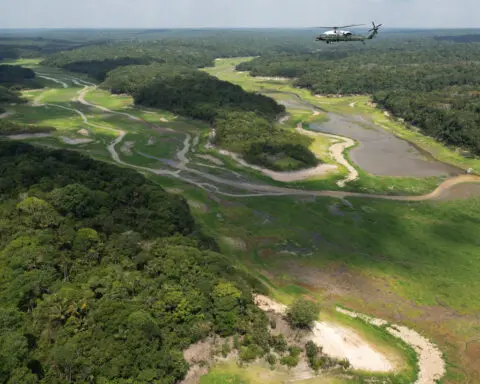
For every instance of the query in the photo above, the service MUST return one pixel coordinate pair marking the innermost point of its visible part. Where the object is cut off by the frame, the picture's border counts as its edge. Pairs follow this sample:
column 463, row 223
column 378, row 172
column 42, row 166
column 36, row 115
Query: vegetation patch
column 8, row 127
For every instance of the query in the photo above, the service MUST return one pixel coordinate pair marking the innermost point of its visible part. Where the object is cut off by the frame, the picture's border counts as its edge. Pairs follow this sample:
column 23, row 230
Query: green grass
column 106, row 99
column 30, row 63
column 60, row 95
column 431, row 248
column 257, row 373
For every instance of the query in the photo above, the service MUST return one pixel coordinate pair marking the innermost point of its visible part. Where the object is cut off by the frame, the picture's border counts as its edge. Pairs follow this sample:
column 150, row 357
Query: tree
column 302, row 313
column 37, row 213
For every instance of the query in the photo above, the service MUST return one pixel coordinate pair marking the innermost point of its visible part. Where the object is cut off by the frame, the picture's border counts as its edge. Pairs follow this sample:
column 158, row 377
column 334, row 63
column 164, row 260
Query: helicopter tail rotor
column 375, row 27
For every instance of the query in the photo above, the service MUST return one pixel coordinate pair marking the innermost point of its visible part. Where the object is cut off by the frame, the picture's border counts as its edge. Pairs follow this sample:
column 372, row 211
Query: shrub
column 289, row 361
column 271, row 359
column 302, row 313
column 278, row 343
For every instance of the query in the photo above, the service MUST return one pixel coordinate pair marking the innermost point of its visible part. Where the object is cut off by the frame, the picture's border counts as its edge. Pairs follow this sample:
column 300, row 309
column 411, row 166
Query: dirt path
column 430, row 361
column 62, row 83
column 6, row 114
column 320, row 170
column 336, row 151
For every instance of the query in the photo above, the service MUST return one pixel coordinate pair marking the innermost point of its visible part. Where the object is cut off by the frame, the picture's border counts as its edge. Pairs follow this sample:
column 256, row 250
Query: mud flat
column 381, row 153
column 75, row 141
column 23, row 136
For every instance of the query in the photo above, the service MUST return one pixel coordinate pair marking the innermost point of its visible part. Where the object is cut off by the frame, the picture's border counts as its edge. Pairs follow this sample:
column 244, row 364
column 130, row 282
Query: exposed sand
column 211, row 158
column 174, row 190
column 126, row 148
column 23, row 136
column 341, row 342
column 235, row 243
column 430, row 361
column 198, row 205
column 318, row 171
column 337, row 341
column 71, row 141
column 276, row 78
column 83, row 132
column 283, row 119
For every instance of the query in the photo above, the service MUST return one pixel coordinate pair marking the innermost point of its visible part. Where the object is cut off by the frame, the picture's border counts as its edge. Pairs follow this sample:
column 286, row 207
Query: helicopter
column 337, row 34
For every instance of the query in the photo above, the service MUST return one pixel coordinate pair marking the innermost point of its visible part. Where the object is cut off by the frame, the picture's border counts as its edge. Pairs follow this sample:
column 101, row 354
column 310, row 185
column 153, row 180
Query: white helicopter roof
column 335, row 30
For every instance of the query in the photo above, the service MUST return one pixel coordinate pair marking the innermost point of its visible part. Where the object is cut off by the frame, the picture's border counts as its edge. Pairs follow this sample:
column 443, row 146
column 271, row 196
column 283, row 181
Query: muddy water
column 381, row 153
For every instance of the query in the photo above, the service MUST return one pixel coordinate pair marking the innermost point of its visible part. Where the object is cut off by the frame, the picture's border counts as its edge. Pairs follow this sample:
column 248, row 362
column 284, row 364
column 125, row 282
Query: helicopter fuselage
column 336, row 34
column 331, row 38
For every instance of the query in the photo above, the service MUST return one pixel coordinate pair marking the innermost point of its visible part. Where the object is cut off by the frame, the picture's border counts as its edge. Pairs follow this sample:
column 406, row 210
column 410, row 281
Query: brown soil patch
column 197, row 205
column 162, row 129
column 236, row 243
column 126, row 148
column 174, row 190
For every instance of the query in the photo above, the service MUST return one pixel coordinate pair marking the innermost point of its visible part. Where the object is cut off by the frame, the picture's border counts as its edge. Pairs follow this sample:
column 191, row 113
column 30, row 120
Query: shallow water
column 381, row 153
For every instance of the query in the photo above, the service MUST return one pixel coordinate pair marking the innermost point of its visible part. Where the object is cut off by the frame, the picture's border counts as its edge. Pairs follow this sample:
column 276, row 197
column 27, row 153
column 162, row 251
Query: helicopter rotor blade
column 351, row 25
column 343, row 26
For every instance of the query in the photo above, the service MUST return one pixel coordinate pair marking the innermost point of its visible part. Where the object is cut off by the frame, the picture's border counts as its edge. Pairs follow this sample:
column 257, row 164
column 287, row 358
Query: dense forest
column 98, row 60
column 451, row 115
column 196, row 94
column 16, row 76
column 15, row 47
column 12, row 79
column 175, row 47
column 8, row 127
column 432, row 85
column 106, row 277
column 244, row 120
column 470, row 38
column 8, row 96
column 262, row 143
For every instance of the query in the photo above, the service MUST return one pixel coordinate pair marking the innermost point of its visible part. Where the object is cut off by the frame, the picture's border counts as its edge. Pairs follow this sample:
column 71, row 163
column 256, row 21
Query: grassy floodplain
column 410, row 263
